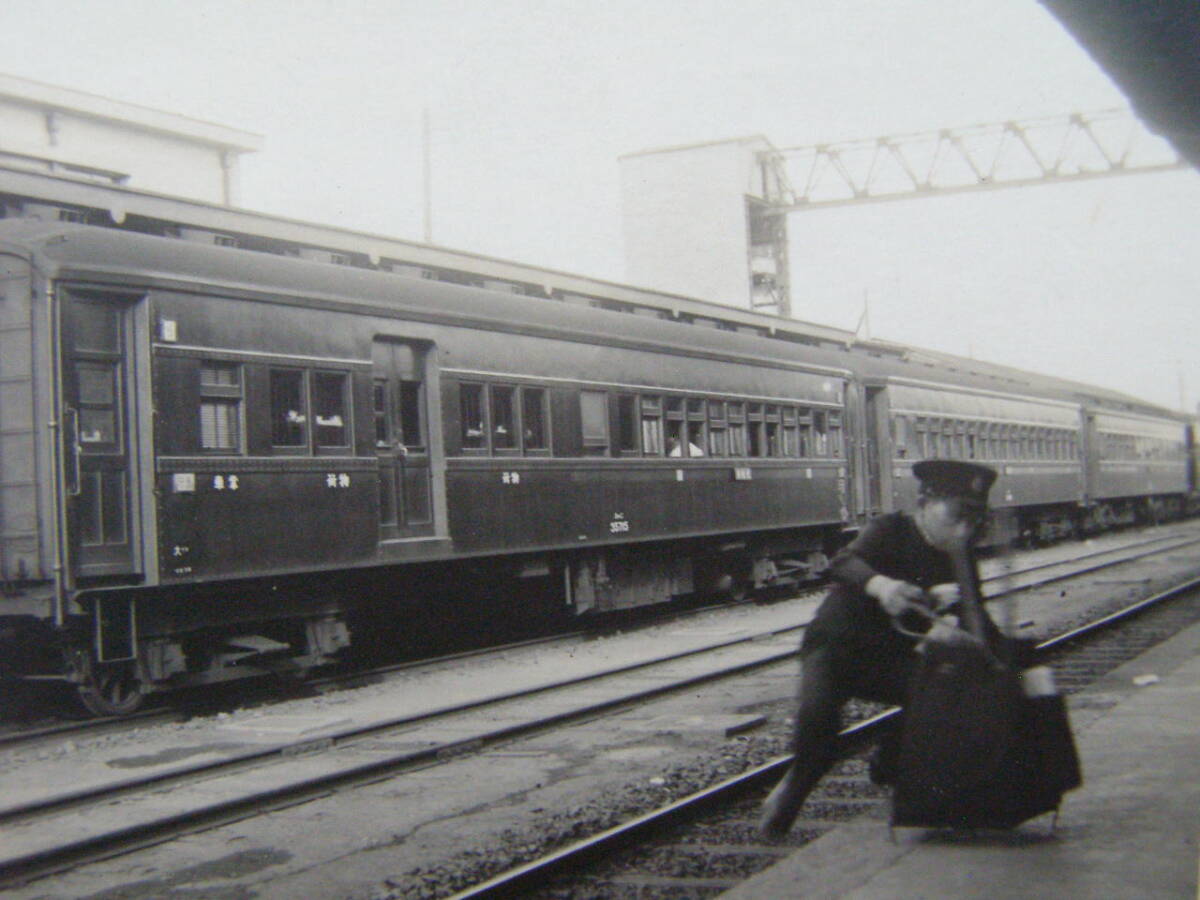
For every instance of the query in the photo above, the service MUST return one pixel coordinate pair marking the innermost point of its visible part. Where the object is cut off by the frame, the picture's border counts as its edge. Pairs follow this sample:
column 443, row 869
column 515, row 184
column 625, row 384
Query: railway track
column 704, row 844
column 1002, row 577
column 66, row 828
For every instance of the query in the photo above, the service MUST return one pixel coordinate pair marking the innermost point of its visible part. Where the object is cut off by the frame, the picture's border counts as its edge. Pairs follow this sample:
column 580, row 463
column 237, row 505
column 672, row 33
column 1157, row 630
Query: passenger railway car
column 211, row 456
column 187, row 426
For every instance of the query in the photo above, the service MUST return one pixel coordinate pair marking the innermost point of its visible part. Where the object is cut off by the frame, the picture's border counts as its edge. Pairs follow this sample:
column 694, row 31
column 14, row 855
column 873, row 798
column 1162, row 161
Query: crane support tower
column 710, row 220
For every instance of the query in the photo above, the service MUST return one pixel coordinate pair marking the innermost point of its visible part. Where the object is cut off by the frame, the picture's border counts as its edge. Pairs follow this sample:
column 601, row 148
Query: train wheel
column 730, row 588
column 111, row 689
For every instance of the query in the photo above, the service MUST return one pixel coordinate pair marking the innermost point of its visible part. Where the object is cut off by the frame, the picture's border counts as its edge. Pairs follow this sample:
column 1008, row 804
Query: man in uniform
column 853, row 648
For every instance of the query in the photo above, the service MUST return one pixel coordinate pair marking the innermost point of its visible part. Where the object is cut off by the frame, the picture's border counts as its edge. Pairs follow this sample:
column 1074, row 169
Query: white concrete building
column 73, row 134
column 695, row 223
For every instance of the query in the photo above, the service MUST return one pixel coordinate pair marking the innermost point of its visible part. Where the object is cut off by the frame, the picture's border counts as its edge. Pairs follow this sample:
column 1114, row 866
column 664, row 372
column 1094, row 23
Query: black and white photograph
column 599, row 451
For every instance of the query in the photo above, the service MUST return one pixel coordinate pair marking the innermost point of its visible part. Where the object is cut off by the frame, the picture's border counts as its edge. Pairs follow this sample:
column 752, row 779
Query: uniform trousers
column 834, row 672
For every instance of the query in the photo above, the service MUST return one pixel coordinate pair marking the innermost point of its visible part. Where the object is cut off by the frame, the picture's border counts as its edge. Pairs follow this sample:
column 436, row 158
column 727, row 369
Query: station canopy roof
column 1151, row 50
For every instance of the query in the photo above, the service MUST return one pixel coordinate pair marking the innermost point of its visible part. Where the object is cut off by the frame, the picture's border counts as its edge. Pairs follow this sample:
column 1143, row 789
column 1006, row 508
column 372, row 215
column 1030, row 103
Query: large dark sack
column 975, row 751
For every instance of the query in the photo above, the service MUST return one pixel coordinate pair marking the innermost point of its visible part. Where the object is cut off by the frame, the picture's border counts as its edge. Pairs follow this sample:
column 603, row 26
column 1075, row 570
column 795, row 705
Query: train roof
column 125, row 257
column 54, row 197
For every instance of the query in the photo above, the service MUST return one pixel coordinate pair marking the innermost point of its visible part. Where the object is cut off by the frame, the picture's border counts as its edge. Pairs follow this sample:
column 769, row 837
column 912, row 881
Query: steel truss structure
column 955, row 160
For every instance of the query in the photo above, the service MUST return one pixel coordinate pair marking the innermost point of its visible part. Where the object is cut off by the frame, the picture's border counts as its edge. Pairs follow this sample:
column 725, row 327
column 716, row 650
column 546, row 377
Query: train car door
column 99, row 435
column 1090, row 449
column 402, row 438
column 860, row 451
column 879, row 451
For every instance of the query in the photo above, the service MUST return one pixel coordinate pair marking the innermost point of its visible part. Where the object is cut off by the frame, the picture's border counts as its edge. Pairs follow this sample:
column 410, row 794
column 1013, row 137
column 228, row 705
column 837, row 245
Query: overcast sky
column 533, row 102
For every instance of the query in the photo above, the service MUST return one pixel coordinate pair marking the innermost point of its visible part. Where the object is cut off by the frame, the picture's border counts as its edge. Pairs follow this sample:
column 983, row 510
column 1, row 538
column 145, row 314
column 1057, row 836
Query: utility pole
column 427, row 166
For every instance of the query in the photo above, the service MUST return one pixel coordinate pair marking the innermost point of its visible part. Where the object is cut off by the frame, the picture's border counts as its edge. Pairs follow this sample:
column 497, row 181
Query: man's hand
column 894, row 595
column 945, row 595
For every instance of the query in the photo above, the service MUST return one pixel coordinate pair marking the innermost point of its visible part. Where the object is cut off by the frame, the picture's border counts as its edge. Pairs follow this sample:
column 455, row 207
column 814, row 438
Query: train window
column 471, row 414
column 220, row 406
column 754, row 430
column 718, row 430
column 593, row 416
column 97, row 403
column 504, row 431
column 627, row 423
column 718, row 436
column 412, row 432
column 289, row 409
column 804, row 431
column 835, row 434
column 790, row 443
column 735, row 416
column 95, row 328
column 379, row 412
column 652, row 431
column 718, row 433
column 696, row 426
column 820, row 433
column 533, row 418
column 674, row 424
column 901, row 436
column 772, row 441
column 330, row 409
column 676, row 432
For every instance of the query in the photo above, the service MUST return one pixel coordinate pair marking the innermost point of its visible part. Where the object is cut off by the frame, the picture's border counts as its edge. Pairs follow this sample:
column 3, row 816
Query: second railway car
column 212, row 458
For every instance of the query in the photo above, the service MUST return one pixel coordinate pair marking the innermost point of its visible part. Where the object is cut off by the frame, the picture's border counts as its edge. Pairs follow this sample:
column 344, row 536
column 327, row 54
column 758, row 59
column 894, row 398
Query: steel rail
column 71, row 853
column 336, row 681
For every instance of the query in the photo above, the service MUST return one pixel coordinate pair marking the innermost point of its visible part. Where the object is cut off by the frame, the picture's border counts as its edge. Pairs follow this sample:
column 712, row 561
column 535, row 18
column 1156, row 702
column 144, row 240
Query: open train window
column 471, row 416
column 627, row 424
column 289, row 409
column 503, row 421
column 330, row 410
column 676, row 427
column 221, row 407
column 533, row 419
column 771, row 420
column 695, row 426
column 754, row 429
column 804, row 431
column 820, row 432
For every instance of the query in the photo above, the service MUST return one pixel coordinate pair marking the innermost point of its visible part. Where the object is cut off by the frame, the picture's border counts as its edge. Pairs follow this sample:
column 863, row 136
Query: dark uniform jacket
column 889, row 545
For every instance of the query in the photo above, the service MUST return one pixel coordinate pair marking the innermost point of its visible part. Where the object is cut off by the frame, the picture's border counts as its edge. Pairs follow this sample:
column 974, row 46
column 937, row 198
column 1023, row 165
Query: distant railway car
column 1138, row 466
column 1033, row 444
